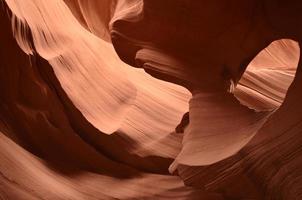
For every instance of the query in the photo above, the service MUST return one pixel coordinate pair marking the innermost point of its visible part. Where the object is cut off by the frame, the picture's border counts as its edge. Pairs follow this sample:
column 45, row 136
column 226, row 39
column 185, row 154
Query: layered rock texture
column 150, row 99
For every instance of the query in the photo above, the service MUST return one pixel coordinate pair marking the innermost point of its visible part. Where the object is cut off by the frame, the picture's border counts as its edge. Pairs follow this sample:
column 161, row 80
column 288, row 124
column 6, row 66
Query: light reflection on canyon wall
column 150, row 99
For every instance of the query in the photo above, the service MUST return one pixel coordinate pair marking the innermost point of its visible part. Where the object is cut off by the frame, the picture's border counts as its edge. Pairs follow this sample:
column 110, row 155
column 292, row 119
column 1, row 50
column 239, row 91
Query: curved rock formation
column 205, row 105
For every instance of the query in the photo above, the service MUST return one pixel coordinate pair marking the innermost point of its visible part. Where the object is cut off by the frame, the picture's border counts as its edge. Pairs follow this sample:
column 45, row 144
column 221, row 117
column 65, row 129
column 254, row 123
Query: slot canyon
column 150, row 99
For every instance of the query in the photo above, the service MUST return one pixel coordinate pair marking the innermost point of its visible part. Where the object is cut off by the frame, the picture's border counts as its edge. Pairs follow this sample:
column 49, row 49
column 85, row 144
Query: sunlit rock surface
column 150, row 99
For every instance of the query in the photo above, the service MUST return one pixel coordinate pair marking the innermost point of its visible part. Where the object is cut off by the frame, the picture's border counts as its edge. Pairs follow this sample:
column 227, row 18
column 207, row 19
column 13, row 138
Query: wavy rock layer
column 78, row 123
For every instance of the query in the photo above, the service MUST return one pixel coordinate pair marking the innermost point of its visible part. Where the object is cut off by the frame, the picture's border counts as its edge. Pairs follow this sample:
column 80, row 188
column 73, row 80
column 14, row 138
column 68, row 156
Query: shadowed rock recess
column 150, row 99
